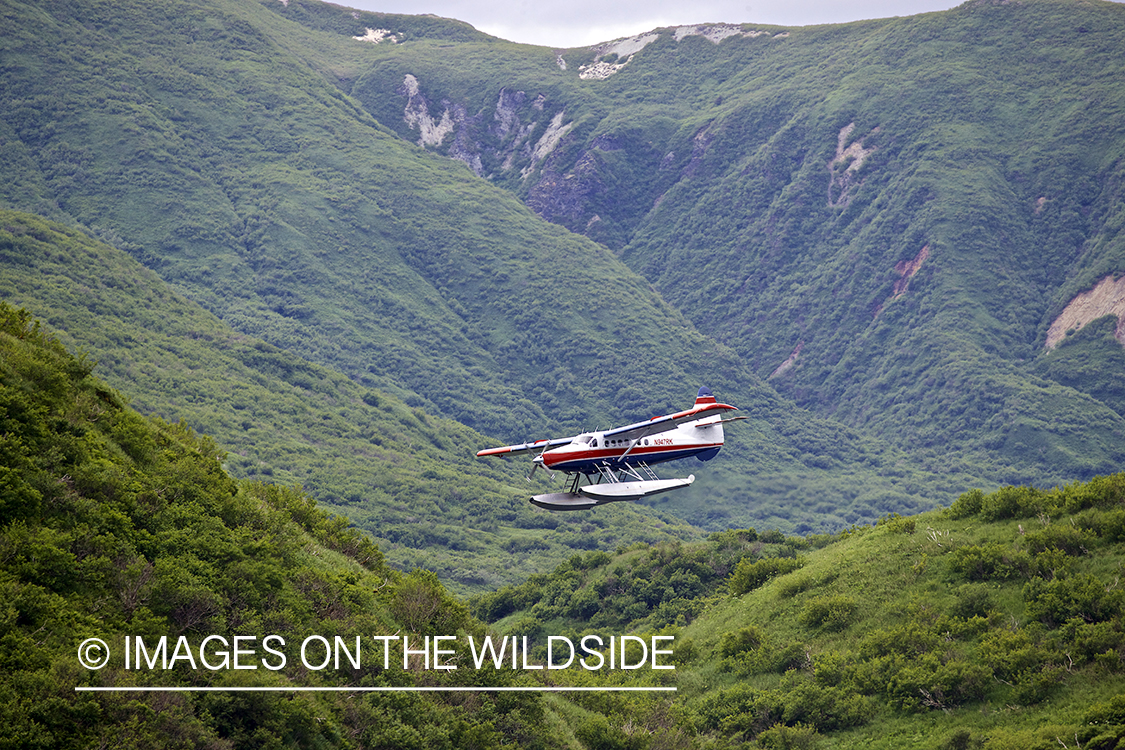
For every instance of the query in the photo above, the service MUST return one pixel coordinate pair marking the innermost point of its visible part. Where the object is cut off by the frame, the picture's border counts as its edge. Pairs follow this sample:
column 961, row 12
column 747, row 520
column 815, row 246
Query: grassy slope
column 406, row 477
column 961, row 155
column 997, row 623
column 238, row 173
column 1004, row 611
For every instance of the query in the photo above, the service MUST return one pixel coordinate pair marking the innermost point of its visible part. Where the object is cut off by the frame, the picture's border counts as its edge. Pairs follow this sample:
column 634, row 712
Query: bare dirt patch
column 1106, row 298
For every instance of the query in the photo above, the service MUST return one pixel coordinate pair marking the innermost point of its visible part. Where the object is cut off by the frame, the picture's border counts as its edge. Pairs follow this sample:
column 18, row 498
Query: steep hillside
column 882, row 218
column 998, row 623
column 194, row 138
column 113, row 525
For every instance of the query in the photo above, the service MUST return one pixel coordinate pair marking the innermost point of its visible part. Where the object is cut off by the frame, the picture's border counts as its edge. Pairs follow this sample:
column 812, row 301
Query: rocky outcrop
column 716, row 33
column 548, row 141
column 431, row 132
column 905, row 269
column 566, row 198
column 525, row 132
column 506, row 139
column 613, row 56
column 845, row 166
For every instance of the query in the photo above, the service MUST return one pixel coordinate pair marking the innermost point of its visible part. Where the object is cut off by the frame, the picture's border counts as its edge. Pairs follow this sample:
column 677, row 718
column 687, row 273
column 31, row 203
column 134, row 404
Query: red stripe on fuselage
column 648, row 454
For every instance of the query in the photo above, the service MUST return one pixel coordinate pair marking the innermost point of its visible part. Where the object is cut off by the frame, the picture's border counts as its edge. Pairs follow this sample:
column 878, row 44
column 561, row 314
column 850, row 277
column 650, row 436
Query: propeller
column 535, row 464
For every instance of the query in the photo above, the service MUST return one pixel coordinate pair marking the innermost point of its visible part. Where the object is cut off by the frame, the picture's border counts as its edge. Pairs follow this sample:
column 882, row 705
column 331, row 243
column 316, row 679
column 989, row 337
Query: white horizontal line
column 370, row 689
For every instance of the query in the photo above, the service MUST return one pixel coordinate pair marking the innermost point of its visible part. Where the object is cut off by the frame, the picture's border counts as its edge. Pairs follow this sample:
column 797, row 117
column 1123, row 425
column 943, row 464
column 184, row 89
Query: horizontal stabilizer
column 705, row 425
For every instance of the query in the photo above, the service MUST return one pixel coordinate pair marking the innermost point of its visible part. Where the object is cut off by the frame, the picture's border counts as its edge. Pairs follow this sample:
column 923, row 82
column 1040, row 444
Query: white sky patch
column 581, row 23
column 552, row 36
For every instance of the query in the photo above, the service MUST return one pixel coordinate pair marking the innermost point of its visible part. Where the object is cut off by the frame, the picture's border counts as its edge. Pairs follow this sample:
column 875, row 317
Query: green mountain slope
column 114, row 525
column 213, row 144
column 882, row 218
column 406, row 477
column 229, row 166
column 998, row 623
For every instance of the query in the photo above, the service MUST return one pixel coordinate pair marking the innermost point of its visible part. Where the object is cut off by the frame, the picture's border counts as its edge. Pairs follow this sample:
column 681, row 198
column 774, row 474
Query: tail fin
column 705, row 397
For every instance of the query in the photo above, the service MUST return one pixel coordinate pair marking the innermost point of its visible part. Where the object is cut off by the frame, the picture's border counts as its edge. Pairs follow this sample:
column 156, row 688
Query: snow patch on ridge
column 618, row 49
column 1106, row 298
column 717, row 32
column 377, row 35
column 611, row 57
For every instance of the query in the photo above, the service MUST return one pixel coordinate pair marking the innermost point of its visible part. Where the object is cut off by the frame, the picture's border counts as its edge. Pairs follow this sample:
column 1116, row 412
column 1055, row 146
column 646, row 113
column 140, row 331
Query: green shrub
column 1100, row 492
column 596, row 733
column 795, row 585
column 1109, row 526
column 991, row 561
column 1064, row 537
column 740, row 641
column 1084, row 596
column 972, row 601
column 1012, row 502
column 750, row 574
column 959, row 739
column 829, row 612
column 782, row 737
column 897, row 524
column 967, row 505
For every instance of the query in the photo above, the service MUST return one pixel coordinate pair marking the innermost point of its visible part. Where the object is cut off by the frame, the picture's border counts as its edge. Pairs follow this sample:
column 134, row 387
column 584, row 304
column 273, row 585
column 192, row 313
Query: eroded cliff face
column 551, row 153
column 1107, row 297
column 504, row 138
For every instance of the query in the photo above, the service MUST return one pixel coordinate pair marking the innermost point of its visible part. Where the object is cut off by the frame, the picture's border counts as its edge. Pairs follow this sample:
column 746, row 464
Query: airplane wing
column 667, row 422
column 538, row 445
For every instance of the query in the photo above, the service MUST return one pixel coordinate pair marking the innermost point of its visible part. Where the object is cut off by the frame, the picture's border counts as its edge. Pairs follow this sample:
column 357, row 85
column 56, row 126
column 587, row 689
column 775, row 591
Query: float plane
column 616, row 463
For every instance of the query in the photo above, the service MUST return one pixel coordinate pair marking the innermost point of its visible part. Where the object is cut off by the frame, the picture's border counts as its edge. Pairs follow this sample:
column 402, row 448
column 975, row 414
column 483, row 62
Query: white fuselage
column 591, row 451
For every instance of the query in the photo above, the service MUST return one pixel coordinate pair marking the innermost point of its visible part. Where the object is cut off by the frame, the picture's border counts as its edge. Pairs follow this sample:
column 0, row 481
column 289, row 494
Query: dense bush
column 750, row 574
column 829, row 612
column 128, row 525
